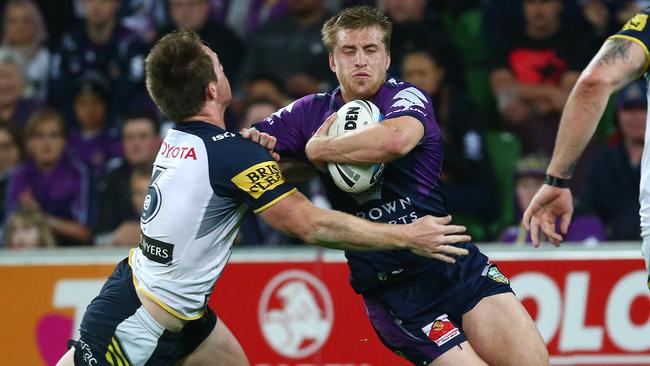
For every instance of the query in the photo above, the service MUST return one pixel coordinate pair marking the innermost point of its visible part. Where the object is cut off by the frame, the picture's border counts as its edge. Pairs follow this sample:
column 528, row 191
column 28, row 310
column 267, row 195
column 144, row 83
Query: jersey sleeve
column 245, row 171
column 637, row 30
column 288, row 125
column 408, row 100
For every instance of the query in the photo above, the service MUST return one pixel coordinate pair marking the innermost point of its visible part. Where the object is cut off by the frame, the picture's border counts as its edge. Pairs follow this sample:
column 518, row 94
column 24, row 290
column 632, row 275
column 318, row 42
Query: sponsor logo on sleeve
column 441, row 331
column 259, row 178
column 637, row 22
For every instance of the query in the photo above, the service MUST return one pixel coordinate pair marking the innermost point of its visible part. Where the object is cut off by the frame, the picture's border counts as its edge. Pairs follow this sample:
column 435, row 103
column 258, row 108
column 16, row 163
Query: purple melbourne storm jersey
column 409, row 187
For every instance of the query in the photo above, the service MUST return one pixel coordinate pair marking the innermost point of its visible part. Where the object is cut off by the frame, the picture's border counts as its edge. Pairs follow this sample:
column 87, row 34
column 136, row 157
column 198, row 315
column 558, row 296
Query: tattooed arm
column 619, row 61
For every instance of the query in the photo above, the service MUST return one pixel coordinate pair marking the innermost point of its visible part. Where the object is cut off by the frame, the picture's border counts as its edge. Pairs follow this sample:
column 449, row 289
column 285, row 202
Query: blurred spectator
column 302, row 62
column 245, row 17
column 11, row 154
column 102, row 46
column 28, row 229
column 267, row 87
column 413, row 30
column 195, row 15
column 24, row 32
column 51, row 181
column 13, row 106
column 127, row 233
column 467, row 175
column 534, row 72
column 612, row 191
column 140, row 142
column 142, row 17
column 257, row 110
column 93, row 142
column 531, row 170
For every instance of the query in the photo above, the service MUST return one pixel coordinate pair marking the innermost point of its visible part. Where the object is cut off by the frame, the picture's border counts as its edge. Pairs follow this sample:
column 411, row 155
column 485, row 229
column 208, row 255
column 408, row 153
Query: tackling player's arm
column 255, row 179
column 622, row 58
column 428, row 236
column 384, row 142
column 619, row 61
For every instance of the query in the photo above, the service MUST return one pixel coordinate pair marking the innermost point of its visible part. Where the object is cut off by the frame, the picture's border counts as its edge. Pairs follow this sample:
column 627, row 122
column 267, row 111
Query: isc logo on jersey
column 259, row 178
column 352, row 116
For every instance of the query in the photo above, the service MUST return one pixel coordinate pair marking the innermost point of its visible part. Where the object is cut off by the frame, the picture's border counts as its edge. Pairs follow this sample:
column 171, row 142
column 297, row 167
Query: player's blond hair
column 357, row 17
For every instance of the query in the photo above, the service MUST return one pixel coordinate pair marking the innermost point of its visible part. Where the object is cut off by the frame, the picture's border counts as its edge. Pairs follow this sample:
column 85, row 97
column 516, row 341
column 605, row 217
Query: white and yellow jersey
column 204, row 180
column 637, row 30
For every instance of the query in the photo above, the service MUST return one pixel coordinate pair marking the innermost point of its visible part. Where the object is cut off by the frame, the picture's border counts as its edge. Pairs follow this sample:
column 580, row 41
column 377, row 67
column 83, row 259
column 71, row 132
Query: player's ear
column 332, row 62
column 388, row 61
column 211, row 91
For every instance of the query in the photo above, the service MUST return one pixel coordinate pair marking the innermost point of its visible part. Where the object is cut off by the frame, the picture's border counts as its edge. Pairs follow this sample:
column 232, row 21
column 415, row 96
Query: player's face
column 223, row 85
column 360, row 61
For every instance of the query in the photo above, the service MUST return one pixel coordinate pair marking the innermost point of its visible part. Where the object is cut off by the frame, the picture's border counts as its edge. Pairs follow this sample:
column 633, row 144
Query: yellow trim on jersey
column 640, row 43
column 156, row 300
column 117, row 347
column 114, row 355
column 276, row 200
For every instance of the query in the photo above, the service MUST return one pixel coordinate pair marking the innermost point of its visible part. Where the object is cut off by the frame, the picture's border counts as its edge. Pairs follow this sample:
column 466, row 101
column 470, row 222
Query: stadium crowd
column 78, row 132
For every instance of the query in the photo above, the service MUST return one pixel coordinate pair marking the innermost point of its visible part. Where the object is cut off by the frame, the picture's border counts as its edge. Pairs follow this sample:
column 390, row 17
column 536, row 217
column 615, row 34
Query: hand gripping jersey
column 409, row 187
column 204, row 180
column 637, row 30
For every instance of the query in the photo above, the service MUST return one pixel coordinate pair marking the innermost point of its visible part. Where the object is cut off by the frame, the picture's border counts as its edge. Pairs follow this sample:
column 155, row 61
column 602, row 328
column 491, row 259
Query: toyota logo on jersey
column 295, row 313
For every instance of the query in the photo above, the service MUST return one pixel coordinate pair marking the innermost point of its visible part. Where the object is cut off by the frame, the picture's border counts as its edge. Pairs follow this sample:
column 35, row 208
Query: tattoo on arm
column 616, row 51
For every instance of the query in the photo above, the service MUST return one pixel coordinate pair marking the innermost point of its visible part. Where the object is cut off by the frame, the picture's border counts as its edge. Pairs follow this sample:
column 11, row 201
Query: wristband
column 556, row 182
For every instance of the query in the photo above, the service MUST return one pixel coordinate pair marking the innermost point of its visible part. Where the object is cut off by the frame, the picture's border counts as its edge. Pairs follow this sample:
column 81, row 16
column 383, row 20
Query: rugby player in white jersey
column 623, row 58
column 153, row 309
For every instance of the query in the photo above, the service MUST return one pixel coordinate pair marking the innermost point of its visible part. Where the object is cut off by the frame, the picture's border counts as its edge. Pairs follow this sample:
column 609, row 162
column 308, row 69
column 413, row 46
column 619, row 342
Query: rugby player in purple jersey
column 428, row 311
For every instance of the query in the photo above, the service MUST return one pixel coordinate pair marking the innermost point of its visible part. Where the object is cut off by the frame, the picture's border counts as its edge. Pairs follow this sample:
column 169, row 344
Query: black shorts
column 421, row 318
column 117, row 330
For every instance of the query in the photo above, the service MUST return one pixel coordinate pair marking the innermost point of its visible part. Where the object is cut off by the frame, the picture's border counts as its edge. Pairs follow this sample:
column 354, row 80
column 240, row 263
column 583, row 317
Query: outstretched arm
column 619, row 61
column 428, row 236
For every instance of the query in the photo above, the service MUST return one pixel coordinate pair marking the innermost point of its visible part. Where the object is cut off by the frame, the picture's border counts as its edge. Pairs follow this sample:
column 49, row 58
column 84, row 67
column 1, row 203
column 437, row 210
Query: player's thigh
column 220, row 348
column 463, row 354
column 503, row 333
column 67, row 359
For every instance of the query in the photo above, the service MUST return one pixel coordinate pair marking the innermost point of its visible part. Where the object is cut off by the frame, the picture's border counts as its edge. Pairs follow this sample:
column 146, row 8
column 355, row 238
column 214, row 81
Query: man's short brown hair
column 177, row 73
column 357, row 17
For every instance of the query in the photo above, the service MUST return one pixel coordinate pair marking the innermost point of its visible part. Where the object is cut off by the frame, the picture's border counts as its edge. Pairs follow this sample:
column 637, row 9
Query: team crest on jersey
column 441, row 331
column 259, row 178
column 497, row 276
column 637, row 23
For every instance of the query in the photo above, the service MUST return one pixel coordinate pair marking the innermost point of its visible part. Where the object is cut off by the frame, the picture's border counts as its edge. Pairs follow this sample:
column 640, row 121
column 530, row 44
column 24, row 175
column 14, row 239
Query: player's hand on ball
column 432, row 237
column 267, row 141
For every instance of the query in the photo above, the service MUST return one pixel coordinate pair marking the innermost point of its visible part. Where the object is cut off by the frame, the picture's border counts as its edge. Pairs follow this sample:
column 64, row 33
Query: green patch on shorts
column 497, row 276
